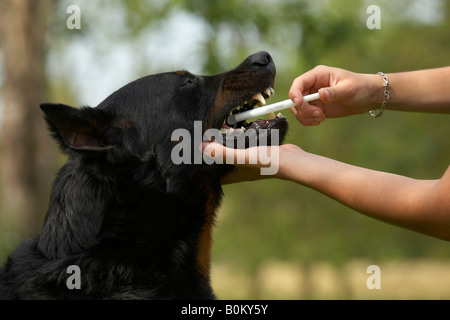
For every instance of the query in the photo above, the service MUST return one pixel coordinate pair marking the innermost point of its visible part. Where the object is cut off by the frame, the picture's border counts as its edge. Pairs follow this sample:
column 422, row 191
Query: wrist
column 297, row 165
column 386, row 96
column 376, row 89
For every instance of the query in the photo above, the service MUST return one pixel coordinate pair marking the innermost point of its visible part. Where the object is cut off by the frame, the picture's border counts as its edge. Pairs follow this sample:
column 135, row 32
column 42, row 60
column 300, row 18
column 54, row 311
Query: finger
column 310, row 111
column 307, row 114
column 221, row 154
column 294, row 110
column 301, row 86
column 308, row 82
column 214, row 151
column 238, row 173
column 255, row 156
column 309, row 122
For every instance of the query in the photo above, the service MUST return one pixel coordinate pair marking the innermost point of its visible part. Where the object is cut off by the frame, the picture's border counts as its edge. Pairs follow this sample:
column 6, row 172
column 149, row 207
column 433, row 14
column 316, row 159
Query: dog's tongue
column 259, row 124
column 265, row 123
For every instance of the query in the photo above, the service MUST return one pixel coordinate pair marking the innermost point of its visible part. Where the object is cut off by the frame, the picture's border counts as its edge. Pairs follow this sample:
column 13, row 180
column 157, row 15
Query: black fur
column 137, row 225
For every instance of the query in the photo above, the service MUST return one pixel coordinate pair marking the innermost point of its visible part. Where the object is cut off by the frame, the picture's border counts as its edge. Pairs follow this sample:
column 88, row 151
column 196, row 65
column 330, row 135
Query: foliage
column 277, row 219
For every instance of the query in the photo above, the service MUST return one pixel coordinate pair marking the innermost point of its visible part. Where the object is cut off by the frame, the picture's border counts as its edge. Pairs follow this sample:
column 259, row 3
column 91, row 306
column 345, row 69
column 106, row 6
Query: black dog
column 124, row 221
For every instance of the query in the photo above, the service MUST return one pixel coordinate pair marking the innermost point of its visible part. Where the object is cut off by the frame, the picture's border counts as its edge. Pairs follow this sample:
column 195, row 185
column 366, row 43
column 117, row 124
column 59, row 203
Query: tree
column 27, row 154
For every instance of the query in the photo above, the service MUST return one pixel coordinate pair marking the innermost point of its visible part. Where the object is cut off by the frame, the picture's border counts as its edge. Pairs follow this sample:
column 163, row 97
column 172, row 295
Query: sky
column 97, row 74
column 151, row 51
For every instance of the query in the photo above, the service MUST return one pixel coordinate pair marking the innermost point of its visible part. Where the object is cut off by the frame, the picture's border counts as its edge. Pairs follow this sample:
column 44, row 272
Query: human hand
column 248, row 162
column 342, row 93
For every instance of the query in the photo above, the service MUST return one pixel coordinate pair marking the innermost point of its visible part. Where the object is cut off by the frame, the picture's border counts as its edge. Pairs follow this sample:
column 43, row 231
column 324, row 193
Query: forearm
column 420, row 205
column 422, row 91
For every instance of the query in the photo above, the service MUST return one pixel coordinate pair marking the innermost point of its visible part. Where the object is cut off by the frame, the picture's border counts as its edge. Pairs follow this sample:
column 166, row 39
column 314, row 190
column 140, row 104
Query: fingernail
column 326, row 92
column 296, row 101
column 316, row 114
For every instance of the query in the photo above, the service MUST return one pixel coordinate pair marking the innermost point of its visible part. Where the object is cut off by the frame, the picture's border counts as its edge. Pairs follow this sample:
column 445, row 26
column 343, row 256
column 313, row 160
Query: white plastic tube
column 285, row 104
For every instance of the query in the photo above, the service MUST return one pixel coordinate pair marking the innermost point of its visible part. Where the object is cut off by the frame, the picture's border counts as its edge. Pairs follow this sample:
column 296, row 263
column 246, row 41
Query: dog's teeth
column 279, row 115
column 272, row 92
column 260, row 98
column 223, row 130
column 268, row 93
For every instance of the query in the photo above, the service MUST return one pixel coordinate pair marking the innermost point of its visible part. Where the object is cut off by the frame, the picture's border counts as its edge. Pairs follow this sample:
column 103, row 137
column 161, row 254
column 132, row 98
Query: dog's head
column 136, row 123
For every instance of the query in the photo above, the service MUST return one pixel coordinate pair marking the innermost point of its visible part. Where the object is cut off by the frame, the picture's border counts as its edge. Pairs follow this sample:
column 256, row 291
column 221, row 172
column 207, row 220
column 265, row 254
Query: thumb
column 218, row 153
column 331, row 94
column 213, row 150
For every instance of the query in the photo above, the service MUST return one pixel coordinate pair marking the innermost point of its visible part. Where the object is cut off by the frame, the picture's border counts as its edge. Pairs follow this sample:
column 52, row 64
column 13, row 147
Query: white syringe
column 285, row 104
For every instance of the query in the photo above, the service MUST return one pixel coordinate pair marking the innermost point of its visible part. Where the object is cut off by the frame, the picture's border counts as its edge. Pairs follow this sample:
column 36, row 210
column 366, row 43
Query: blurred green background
column 273, row 239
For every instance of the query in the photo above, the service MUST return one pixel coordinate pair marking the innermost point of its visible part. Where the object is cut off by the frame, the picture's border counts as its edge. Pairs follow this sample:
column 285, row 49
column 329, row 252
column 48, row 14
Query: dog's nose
column 261, row 58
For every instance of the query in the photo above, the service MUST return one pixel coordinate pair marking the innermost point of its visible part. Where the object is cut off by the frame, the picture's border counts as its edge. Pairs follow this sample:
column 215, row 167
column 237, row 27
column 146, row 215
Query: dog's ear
column 79, row 129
